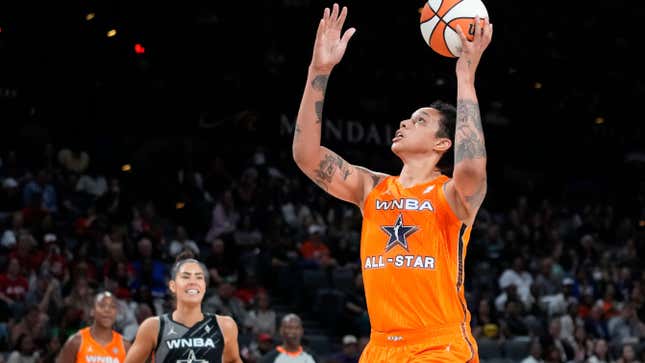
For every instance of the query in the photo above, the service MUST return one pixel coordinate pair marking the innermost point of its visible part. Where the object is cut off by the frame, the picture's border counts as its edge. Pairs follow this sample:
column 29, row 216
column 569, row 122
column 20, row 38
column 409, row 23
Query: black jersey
column 177, row 343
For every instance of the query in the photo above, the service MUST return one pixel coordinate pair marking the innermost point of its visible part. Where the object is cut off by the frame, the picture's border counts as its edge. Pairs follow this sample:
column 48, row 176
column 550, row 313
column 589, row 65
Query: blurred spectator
column 41, row 194
column 262, row 318
column 224, row 302
column 356, row 307
column 513, row 324
column 92, row 183
column 224, row 217
column 535, row 352
column 33, row 323
column 142, row 312
column 257, row 348
column 600, row 352
column 626, row 326
column 13, row 287
column 314, row 250
column 349, row 351
column 50, row 352
column 182, row 242
column 220, row 264
column 595, row 323
column 518, row 275
column 291, row 349
column 73, row 159
column 627, row 354
column 149, row 270
column 10, row 235
column 25, row 351
column 553, row 339
column 484, row 321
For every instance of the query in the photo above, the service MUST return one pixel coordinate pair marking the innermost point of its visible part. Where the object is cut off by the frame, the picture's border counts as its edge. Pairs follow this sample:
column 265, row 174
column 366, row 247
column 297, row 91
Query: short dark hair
column 184, row 257
column 447, row 123
column 448, row 118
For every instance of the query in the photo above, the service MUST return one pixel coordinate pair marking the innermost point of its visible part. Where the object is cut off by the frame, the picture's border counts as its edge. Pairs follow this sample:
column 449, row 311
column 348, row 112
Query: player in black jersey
column 187, row 334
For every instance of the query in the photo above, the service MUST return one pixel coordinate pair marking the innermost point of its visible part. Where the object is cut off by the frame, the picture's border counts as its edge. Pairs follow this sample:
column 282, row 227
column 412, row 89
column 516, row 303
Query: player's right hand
column 329, row 47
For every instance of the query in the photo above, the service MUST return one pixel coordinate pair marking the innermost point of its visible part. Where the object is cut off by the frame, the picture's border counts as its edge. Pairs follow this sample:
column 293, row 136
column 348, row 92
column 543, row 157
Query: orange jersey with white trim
column 91, row 351
column 413, row 249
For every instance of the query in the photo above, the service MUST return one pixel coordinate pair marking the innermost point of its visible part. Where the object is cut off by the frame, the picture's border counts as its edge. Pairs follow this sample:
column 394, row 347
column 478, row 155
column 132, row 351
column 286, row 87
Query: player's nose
column 403, row 123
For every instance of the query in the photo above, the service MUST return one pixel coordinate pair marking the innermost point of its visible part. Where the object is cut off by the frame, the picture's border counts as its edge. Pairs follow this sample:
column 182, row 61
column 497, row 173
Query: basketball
column 439, row 19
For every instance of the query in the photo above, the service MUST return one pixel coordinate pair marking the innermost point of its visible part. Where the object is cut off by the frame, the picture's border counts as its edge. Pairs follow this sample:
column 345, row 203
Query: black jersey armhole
column 160, row 333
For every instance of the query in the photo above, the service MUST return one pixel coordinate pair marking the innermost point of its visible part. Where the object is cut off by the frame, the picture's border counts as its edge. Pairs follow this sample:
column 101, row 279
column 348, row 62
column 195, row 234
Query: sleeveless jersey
column 412, row 252
column 203, row 343
column 92, row 351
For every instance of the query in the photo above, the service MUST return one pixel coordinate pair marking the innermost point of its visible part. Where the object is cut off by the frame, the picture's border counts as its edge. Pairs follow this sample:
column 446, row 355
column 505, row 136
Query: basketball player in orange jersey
column 187, row 334
column 416, row 225
column 97, row 343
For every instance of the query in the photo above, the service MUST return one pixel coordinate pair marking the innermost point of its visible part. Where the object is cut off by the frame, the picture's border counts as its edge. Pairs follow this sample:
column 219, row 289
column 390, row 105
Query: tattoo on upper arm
column 375, row 180
column 476, row 199
column 469, row 138
column 375, row 177
column 327, row 168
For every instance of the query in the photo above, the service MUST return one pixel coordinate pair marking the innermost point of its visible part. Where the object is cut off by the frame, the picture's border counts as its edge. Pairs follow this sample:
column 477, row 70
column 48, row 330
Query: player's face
column 105, row 311
column 418, row 133
column 291, row 331
column 190, row 284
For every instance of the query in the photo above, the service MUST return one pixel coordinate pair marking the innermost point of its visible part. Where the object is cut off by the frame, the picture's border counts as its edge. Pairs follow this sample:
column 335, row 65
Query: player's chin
column 107, row 322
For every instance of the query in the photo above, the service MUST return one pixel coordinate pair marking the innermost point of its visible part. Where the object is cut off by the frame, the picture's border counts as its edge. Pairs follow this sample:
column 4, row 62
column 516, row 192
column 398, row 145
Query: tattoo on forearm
column 327, row 168
column 469, row 138
column 319, row 109
column 476, row 199
column 320, row 82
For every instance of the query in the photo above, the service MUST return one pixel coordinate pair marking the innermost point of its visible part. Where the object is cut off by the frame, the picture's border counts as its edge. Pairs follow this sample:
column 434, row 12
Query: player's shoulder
column 150, row 324
column 226, row 323
column 75, row 339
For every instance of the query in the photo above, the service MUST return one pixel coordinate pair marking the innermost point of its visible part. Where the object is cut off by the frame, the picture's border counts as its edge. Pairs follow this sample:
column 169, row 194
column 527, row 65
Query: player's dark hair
column 184, row 257
column 448, row 118
column 447, row 124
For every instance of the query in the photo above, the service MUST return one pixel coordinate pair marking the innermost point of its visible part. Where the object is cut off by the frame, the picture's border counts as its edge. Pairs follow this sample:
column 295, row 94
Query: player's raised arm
column 469, row 175
column 328, row 170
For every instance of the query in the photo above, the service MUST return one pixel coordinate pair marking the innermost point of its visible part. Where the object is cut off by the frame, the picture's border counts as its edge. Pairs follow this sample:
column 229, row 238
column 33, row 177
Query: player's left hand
column 472, row 50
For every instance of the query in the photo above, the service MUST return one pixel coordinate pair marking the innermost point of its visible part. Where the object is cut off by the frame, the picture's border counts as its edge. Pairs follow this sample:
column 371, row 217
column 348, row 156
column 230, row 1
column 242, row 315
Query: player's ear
column 442, row 144
column 172, row 286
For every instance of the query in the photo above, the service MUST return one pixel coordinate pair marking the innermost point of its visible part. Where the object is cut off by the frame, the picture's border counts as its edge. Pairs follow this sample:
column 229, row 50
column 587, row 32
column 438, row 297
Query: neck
column 187, row 315
column 291, row 348
column 417, row 171
column 100, row 333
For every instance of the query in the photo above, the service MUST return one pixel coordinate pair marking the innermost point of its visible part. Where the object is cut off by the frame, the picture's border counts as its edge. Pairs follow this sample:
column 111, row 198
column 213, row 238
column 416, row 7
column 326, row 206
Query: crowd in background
column 562, row 281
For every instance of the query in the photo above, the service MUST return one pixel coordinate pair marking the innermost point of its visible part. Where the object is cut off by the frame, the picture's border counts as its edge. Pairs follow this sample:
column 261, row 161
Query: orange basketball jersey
column 93, row 352
column 412, row 252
